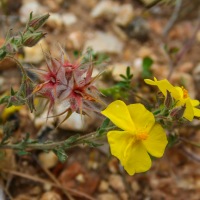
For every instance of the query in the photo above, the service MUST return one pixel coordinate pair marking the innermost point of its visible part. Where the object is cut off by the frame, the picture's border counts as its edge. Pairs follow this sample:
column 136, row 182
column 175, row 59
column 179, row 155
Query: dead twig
column 40, row 180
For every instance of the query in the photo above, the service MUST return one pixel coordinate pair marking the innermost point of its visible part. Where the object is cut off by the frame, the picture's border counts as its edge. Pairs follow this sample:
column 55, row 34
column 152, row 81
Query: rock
column 198, row 36
column 116, row 182
column 138, row 28
column 106, row 9
column 53, row 5
column 69, row 19
column 51, row 196
column 35, row 54
column 48, row 160
column 31, row 6
column 185, row 67
column 125, row 15
column 77, row 39
column 55, row 21
column 107, row 196
column 76, row 122
column 88, row 4
column 119, row 68
column 124, row 196
column 103, row 186
column 104, row 42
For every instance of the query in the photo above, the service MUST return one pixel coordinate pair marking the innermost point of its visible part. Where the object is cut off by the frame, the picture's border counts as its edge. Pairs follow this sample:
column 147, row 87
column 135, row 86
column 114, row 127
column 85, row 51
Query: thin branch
column 43, row 181
column 173, row 18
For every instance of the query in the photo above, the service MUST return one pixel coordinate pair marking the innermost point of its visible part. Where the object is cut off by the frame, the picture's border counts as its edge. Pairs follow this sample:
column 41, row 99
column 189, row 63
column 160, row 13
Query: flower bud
column 168, row 100
column 37, row 22
column 31, row 39
column 177, row 113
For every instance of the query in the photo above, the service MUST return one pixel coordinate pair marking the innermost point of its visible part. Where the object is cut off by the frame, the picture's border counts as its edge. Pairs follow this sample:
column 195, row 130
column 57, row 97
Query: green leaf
column 102, row 130
column 60, row 153
column 172, row 140
column 146, row 66
column 91, row 144
column 22, row 153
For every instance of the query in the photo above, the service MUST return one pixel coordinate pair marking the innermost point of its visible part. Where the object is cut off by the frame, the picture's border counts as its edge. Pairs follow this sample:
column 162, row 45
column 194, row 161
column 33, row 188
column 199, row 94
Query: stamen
column 141, row 136
column 185, row 93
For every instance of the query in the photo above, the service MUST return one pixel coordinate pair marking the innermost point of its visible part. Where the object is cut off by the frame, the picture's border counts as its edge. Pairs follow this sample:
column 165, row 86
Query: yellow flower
column 180, row 94
column 139, row 137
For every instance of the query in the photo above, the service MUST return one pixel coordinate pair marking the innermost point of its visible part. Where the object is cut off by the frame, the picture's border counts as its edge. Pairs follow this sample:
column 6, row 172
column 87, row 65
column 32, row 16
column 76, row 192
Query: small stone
column 55, row 21
column 80, row 178
column 48, row 160
column 35, row 54
column 185, row 67
column 77, row 39
column 76, row 122
column 104, row 42
column 116, row 182
column 119, row 68
column 103, row 186
column 135, row 186
column 148, row 2
column 106, row 9
column 88, row 4
column 124, row 196
column 68, row 19
column 198, row 36
column 113, row 165
column 51, row 196
column 53, row 5
column 138, row 29
column 125, row 15
column 27, row 8
column 107, row 196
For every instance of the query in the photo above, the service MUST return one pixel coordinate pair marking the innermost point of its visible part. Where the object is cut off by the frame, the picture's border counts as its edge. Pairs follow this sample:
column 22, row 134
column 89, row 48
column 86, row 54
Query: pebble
column 119, row 68
column 103, row 186
column 51, row 196
column 104, row 42
column 55, row 21
column 35, row 54
column 198, row 36
column 185, row 67
column 76, row 122
column 116, row 182
column 68, row 19
column 138, row 29
column 31, row 6
column 107, row 196
column 148, row 2
column 77, row 39
column 125, row 15
column 48, row 160
column 105, row 9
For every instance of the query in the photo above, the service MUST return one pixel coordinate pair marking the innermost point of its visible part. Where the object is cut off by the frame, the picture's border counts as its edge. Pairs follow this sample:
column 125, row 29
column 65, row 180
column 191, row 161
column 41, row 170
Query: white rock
column 116, row 182
column 50, row 195
column 48, row 160
column 125, row 15
column 55, row 21
column 119, row 68
column 77, row 39
column 28, row 7
column 76, row 122
column 104, row 42
column 105, row 8
column 107, row 196
column 69, row 19
column 35, row 53
column 103, row 186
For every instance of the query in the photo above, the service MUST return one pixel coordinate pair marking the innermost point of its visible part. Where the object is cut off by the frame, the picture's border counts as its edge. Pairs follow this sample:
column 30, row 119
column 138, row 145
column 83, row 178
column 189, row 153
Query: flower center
column 141, row 136
column 185, row 93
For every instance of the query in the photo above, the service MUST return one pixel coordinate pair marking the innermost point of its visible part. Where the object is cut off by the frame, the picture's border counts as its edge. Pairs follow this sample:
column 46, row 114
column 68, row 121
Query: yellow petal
column 142, row 118
column 156, row 142
column 119, row 141
column 196, row 112
column 118, row 113
column 189, row 110
column 163, row 86
column 194, row 102
column 137, row 159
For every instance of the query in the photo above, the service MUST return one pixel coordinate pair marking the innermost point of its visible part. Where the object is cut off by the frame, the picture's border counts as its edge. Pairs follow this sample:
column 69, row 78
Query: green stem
column 189, row 142
column 52, row 145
